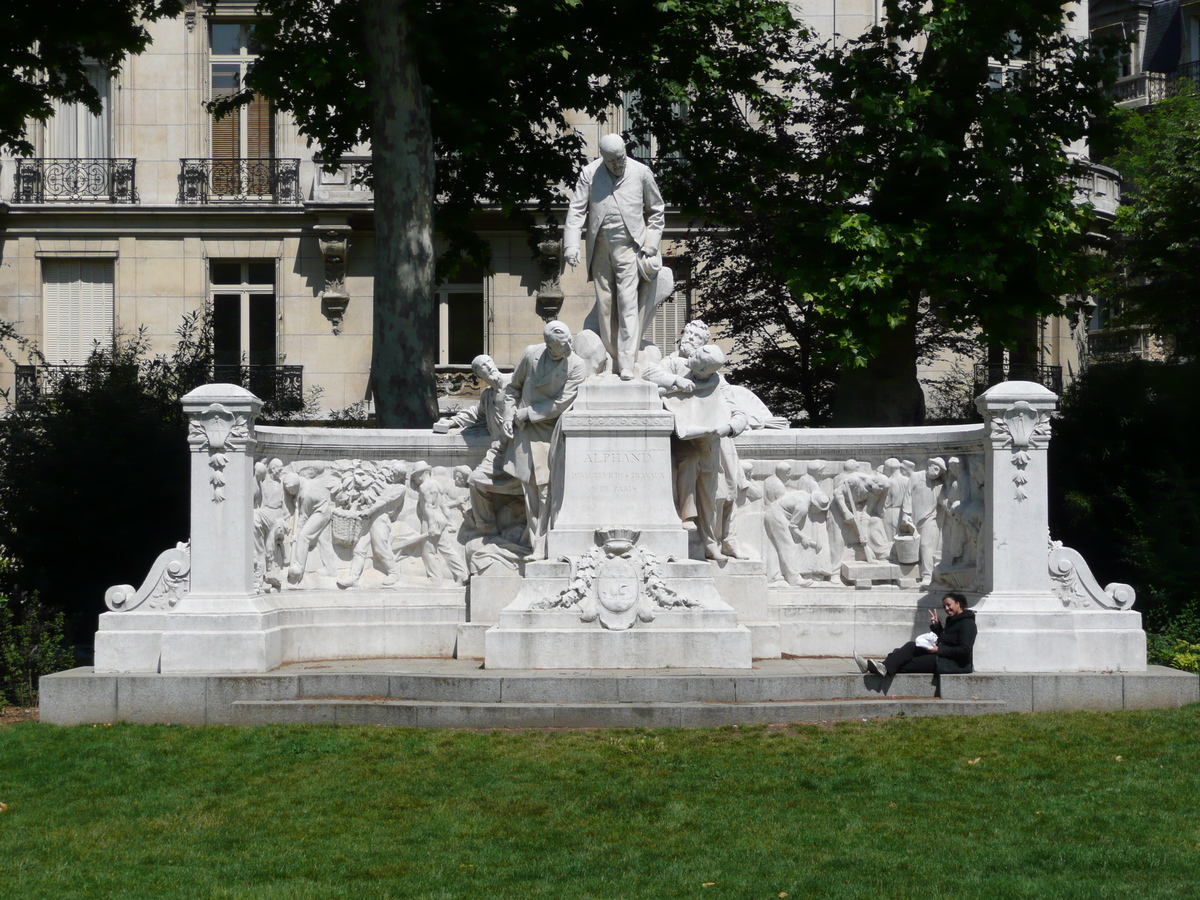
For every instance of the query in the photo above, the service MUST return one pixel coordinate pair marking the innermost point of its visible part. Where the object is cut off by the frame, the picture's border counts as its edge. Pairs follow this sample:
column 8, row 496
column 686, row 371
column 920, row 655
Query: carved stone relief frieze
column 854, row 523
column 963, row 500
column 357, row 524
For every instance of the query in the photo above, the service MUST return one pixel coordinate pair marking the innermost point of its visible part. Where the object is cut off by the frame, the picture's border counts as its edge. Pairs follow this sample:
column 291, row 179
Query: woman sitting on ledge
column 951, row 655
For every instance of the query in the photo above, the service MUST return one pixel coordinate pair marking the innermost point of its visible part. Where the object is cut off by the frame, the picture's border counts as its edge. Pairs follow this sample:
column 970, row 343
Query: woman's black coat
column 955, row 641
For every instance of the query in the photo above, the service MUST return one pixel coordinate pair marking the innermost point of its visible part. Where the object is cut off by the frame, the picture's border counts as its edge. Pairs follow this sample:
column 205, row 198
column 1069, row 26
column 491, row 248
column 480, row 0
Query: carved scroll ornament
column 1076, row 586
column 168, row 583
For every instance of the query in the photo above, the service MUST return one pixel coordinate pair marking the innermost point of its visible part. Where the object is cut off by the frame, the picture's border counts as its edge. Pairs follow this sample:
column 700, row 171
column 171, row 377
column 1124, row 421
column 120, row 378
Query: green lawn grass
column 1040, row 806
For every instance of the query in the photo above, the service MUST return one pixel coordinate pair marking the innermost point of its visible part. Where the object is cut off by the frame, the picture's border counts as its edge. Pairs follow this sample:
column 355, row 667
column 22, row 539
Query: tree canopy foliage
column 1157, row 254
column 1132, row 512
column 488, row 90
column 47, row 45
column 925, row 191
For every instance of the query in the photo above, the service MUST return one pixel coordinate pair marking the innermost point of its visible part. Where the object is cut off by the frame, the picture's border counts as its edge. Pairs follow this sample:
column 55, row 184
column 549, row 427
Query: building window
column 461, row 323
column 675, row 311
column 1010, row 70
column 73, row 132
column 248, row 132
column 1191, row 41
column 77, row 308
column 244, row 316
column 644, row 145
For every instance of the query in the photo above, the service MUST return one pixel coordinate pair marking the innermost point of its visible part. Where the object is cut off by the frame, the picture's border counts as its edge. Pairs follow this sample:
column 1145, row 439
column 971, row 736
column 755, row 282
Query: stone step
column 449, row 714
column 774, row 691
column 603, row 687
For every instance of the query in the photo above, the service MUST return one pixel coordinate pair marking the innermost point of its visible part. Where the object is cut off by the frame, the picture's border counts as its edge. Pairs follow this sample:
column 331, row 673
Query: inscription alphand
column 609, row 456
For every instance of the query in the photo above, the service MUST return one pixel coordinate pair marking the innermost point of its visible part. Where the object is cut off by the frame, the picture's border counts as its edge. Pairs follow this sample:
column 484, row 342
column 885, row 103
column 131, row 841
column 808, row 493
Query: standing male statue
column 923, row 513
column 625, row 217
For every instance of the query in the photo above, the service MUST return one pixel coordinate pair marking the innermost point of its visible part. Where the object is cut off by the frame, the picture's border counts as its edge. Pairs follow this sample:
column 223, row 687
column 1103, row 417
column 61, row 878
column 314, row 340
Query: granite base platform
column 451, row 693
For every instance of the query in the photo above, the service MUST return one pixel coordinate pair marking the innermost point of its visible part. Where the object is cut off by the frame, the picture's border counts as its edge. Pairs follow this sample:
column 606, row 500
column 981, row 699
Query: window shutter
column 225, row 137
column 260, row 135
column 674, row 312
column 669, row 319
column 77, row 308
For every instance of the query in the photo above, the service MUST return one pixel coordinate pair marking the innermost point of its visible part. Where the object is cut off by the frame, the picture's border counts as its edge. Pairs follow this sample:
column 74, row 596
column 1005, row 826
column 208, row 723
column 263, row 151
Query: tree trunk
column 405, row 331
column 886, row 392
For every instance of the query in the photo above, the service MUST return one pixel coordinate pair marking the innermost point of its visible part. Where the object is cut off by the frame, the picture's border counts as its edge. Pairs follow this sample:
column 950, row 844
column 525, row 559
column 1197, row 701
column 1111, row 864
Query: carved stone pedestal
column 617, row 470
column 282, row 628
column 487, row 594
column 606, row 612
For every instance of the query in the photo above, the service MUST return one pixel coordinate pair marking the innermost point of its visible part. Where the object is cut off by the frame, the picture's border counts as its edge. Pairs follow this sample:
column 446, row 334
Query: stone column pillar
column 1025, row 625
column 221, row 437
column 1017, row 414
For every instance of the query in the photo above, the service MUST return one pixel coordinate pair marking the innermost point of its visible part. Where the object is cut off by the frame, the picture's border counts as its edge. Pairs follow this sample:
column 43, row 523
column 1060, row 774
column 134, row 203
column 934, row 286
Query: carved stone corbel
column 335, row 245
column 550, row 293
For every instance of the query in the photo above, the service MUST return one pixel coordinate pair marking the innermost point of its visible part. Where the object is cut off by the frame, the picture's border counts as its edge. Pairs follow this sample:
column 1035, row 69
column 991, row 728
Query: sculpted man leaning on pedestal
column 707, row 467
column 493, row 411
column 671, row 373
column 543, row 386
column 625, row 216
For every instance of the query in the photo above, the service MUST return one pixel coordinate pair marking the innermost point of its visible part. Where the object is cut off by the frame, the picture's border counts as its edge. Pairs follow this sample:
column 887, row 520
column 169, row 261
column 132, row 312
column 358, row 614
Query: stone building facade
column 134, row 218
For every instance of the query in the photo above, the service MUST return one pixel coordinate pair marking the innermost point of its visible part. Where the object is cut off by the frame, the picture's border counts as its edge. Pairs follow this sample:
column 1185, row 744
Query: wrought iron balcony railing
column 282, row 387
column 76, row 181
column 239, row 181
column 35, row 382
column 987, row 375
column 1127, row 342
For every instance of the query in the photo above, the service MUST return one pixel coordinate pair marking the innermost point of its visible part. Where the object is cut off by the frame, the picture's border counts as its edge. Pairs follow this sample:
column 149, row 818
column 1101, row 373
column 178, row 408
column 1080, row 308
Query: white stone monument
column 653, row 517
